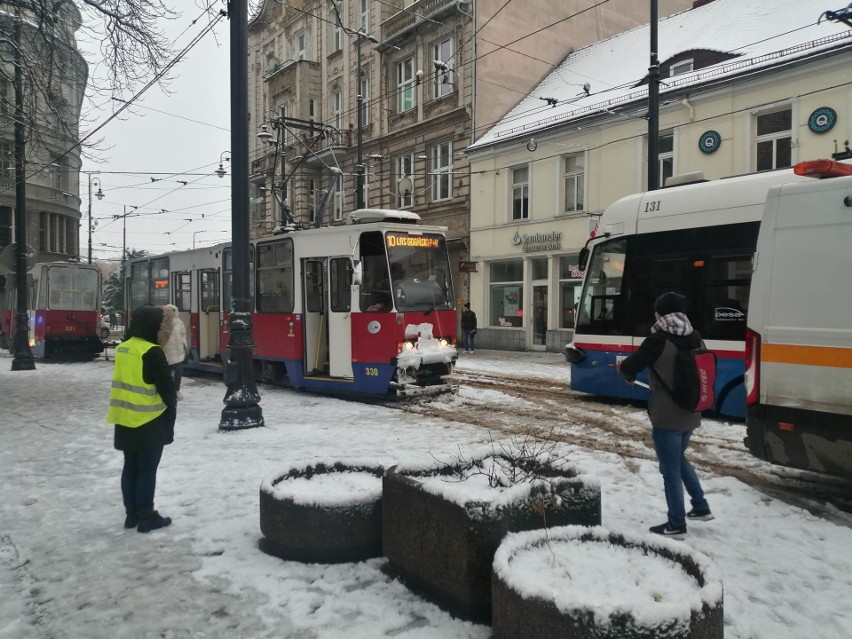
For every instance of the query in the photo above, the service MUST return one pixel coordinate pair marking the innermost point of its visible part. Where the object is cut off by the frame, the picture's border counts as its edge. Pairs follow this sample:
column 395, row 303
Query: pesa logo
column 727, row 314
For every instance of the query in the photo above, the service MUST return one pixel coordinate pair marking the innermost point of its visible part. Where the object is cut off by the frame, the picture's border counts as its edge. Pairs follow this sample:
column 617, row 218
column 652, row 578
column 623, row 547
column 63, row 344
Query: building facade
column 52, row 115
column 428, row 78
column 770, row 85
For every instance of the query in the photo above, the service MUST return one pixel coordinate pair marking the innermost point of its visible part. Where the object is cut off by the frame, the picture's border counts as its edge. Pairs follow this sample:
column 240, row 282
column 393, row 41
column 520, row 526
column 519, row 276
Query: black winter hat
column 145, row 323
column 671, row 303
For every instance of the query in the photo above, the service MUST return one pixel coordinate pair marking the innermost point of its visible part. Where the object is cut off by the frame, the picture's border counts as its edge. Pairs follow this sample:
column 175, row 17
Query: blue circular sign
column 822, row 120
column 709, row 142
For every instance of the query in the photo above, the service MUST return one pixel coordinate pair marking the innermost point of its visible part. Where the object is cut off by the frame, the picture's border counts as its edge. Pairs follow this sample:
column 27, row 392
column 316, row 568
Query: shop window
column 570, row 282
column 506, row 294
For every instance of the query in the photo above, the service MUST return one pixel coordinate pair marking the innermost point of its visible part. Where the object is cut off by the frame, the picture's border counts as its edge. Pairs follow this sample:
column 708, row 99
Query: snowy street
column 68, row 569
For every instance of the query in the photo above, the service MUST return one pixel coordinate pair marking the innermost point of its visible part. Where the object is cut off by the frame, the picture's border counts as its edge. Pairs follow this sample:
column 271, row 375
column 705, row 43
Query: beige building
column 769, row 85
column 53, row 203
column 433, row 76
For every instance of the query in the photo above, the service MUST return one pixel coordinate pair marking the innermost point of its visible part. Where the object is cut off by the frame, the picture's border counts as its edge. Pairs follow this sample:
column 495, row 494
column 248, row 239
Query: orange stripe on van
column 807, row 355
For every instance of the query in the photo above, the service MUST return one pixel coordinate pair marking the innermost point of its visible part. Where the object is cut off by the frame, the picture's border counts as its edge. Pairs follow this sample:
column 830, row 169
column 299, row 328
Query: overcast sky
column 173, row 138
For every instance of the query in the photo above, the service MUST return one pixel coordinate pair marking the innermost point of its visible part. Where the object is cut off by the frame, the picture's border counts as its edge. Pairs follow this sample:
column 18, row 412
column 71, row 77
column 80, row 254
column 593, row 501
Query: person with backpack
column 669, row 352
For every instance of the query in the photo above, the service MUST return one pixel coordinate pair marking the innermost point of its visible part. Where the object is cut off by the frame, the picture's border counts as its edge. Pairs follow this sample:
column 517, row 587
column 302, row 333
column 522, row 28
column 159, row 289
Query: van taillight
column 752, row 367
column 822, row 169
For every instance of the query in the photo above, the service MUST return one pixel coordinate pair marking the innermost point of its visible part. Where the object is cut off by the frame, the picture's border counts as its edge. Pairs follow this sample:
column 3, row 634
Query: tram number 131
column 654, row 205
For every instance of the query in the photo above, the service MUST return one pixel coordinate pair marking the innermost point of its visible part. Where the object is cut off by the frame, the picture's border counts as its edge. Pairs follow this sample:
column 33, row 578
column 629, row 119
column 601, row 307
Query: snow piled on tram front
column 427, row 349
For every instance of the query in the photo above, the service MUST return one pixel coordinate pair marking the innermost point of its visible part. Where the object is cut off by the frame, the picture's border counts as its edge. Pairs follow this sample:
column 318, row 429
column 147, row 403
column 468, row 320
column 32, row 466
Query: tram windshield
column 420, row 271
column 70, row 288
column 598, row 310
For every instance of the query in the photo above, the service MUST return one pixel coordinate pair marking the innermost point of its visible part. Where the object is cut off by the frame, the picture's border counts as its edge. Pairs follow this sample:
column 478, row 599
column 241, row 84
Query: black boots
column 131, row 519
column 150, row 519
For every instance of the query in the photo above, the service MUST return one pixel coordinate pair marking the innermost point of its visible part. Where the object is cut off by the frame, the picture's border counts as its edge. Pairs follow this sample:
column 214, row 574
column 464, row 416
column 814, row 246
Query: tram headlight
column 405, row 346
column 31, row 343
column 444, row 343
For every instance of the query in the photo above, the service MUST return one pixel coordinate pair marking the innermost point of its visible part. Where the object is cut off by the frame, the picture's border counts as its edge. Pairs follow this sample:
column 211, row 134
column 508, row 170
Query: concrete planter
column 323, row 513
column 442, row 547
column 594, row 584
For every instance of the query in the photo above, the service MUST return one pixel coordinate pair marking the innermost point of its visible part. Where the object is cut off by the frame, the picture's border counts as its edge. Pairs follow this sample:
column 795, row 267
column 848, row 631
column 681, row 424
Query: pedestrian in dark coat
column 468, row 326
column 672, row 426
column 143, row 408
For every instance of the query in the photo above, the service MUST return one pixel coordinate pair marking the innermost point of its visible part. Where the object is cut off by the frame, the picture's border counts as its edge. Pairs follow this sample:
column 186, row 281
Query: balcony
column 400, row 25
column 328, row 148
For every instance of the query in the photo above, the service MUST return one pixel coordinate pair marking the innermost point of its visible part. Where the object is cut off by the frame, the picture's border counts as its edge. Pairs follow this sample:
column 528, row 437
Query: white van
column 799, row 326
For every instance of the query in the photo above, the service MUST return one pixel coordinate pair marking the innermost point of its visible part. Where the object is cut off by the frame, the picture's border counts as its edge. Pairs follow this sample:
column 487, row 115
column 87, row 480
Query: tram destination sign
column 535, row 242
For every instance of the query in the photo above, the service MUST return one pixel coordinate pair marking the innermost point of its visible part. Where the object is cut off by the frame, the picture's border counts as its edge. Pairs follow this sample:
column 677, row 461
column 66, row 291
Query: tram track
column 544, row 408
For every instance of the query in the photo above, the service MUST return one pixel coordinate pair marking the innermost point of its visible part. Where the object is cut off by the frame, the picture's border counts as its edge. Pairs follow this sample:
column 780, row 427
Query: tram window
column 72, row 289
column 313, row 287
column 159, row 293
column 183, row 291
column 228, row 277
column 420, row 273
column 375, row 277
column 601, row 308
column 275, row 277
column 340, row 275
column 138, row 284
column 209, row 291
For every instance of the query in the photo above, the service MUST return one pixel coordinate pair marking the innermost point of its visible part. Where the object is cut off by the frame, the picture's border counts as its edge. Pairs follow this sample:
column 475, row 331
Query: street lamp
column 221, row 172
column 100, row 196
column 242, row 407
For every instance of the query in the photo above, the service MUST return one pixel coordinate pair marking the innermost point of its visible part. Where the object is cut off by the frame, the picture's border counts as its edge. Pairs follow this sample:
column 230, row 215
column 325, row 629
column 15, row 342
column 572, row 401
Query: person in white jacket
column 172, row 337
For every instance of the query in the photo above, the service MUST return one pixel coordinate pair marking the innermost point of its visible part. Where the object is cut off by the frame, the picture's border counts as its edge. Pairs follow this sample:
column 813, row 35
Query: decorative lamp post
column 100, row 196
column 221, row 172
column 194, row 233
column 242, row 408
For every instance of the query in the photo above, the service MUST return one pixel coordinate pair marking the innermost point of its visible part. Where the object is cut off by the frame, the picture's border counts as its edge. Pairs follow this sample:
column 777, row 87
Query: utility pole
column 654, row 107
column 359, row 101
column 242, row 408
column 23, row 358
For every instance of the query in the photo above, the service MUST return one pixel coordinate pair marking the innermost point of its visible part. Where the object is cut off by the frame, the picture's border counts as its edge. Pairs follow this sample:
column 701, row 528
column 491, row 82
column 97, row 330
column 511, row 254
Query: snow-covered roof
column 760, row 33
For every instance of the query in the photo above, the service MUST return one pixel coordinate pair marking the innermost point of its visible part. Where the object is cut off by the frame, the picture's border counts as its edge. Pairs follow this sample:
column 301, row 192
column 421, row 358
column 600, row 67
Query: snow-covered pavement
column 68, row 569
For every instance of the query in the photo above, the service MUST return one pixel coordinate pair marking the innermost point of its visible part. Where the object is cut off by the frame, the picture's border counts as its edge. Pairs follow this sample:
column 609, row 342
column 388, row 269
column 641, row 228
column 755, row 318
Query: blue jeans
column 139, row 478
column 467, row 340
column 677, row 473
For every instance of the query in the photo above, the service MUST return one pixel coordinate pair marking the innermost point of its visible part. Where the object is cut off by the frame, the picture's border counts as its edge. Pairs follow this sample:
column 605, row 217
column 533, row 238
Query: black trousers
column 139, row 478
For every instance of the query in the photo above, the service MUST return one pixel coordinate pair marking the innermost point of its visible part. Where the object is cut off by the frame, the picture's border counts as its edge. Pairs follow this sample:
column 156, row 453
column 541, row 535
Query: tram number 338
column 371, row 371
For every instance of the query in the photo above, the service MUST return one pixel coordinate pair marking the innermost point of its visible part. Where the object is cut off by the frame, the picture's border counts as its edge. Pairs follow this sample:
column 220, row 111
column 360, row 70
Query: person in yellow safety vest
column 142, row 406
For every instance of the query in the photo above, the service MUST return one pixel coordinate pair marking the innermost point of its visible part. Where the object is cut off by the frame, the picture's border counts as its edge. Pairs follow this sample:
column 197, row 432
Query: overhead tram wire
column 192, row 44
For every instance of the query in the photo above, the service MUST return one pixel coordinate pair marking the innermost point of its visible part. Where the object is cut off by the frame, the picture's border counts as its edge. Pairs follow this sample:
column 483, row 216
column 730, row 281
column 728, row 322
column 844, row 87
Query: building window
column 337, row 199
column 335, row 33
column 404, row 168
column 444, row 78
column 441, row 173
column 665, row 157
column 44, row 232
column 7, row 160
column 55, row 175
column 573, row 180
column 570, row 283
column 5, row 103
column 774, row 141
column 312, row 109
column 300, row 45
column 364, row 14
column 405, row 85
column 364, row 89
column 5, row 225
column 314, row 199
column 506, row 292
column 336, row 109
column 679, row 68
column 521, row 193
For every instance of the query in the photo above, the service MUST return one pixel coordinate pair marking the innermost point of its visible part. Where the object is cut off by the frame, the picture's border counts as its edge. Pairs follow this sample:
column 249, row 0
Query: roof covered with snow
column 760, row 33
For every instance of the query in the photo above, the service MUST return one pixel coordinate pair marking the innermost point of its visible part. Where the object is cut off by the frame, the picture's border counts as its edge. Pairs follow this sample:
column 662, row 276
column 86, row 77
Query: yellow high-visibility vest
column 132, row 402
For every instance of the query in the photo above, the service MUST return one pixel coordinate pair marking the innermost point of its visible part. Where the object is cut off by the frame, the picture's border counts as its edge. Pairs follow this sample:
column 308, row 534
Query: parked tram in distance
column 362, row 309
column 63, row 306
column 697, row 239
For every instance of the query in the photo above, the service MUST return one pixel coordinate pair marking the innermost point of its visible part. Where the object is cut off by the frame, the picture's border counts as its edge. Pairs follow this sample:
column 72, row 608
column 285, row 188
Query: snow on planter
column 441, row 524
column 323, row 513
column 589, row 583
